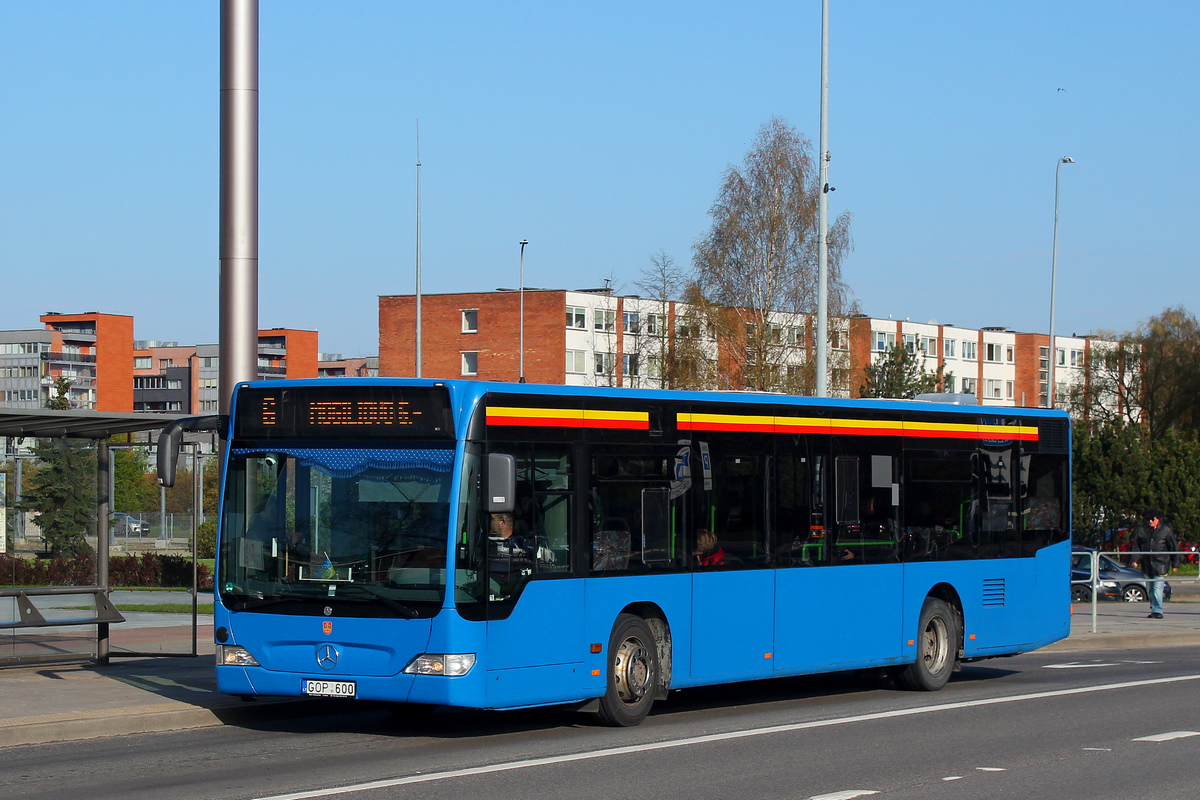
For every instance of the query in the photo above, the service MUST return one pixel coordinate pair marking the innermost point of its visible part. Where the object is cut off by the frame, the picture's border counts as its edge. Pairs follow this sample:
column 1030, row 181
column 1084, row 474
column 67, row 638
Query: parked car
column 1116, row 581
column 130, row 525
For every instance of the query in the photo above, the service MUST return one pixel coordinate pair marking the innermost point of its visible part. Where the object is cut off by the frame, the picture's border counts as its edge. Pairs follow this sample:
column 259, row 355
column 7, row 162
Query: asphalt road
column 1036, row 726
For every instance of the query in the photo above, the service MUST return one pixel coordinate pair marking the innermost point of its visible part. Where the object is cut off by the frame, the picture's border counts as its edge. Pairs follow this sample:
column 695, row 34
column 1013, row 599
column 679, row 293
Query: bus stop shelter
column 97, row 426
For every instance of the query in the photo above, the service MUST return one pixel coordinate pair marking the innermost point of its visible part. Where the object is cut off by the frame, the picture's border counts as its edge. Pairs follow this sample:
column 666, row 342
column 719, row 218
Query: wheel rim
column 632, row 670
column 1134, row 595
column 935, row 645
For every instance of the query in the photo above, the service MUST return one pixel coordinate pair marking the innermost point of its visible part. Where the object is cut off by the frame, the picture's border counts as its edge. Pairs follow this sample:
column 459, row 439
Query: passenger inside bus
column 709, row 552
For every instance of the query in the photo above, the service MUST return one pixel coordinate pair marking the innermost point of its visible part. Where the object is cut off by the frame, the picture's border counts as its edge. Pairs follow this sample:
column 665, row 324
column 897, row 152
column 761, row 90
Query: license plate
column 327, row 688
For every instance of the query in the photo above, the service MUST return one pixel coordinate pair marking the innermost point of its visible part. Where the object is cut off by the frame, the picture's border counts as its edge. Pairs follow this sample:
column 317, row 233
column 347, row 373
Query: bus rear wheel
column 632, row 673
column 937, row 645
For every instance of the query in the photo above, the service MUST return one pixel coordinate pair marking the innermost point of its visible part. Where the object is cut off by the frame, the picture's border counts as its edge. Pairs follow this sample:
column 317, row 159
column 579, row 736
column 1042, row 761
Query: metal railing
column 30, row 616
column 1095, row 582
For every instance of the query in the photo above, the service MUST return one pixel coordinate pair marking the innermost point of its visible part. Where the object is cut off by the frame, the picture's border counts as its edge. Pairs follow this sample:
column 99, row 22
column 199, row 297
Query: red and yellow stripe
column 854, row 427
column 568, row 418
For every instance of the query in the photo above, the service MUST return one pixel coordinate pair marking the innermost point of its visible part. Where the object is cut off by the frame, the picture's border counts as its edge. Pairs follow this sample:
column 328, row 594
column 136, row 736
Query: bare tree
column 759, row 259
column 1150, row 377
column 661, row 284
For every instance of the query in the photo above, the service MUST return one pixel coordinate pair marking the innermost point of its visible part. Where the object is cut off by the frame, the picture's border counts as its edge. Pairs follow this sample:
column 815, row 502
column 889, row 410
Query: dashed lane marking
column 1166, row 737
column 713, row 737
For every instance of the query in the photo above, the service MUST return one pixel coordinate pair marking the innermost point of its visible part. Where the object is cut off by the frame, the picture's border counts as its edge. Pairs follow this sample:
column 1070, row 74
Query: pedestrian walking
column 1156, row 537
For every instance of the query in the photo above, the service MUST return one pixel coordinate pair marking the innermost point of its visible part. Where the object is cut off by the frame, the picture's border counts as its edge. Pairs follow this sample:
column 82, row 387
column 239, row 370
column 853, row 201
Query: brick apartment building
column 109, row 371
column 593, row 337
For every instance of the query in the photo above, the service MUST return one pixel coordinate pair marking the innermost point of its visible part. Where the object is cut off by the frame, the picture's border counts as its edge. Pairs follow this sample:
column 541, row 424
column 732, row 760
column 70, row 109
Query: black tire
column 1134, row 594
column 1080, row 593
column 633, row 671
column 937, row 649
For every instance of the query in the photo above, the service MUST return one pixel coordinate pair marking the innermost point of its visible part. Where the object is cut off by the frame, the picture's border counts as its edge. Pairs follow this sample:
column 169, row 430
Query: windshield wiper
column 408, row 612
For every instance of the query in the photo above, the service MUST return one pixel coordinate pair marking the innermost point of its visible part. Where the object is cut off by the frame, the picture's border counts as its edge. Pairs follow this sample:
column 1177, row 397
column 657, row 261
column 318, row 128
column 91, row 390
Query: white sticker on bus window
column 706, row 466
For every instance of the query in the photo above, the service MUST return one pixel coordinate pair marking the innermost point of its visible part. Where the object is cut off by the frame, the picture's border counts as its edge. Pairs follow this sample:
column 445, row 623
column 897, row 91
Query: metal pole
column 821, row 345
column 239, row 197
column 1053, row 281
column 418, row 371
column 197, row 499
column 523, row 242
column 103, row 507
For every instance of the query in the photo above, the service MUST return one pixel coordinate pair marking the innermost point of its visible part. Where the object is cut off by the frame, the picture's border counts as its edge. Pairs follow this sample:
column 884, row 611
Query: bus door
column 847, row 608
column 733, row 593
column 534, row 608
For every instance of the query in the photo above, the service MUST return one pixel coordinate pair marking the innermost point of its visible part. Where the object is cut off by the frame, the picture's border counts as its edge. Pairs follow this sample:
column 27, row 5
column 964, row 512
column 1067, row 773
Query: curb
column 154, row 718
column 1101, row 641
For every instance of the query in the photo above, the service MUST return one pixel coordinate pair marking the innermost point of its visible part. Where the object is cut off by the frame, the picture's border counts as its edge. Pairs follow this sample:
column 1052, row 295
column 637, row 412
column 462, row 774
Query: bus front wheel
column 632, row 673
column 937, row 645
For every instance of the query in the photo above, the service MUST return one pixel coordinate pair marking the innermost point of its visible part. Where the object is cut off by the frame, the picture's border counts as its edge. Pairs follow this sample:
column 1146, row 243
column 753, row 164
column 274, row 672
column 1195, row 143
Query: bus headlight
column 231, row 655
column 449, row 664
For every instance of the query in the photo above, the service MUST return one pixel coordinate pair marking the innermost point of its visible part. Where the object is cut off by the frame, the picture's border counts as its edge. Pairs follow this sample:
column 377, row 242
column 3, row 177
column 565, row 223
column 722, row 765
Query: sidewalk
column 66, row 702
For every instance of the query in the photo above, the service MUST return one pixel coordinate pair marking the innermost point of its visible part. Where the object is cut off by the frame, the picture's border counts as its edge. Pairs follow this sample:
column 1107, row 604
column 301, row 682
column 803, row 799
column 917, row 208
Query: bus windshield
column 363, row 530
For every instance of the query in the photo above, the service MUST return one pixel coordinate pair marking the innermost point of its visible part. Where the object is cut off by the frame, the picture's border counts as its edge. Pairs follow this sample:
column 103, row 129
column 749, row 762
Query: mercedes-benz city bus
column 501, row 546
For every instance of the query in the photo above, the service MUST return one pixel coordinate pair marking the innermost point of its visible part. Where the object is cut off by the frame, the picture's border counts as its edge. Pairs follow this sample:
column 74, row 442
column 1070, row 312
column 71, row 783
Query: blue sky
column 599, row 132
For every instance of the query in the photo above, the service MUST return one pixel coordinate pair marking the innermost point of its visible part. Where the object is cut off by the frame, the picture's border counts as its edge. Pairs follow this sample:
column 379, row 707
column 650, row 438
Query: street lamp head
column 1066, row 160
column 523, row 242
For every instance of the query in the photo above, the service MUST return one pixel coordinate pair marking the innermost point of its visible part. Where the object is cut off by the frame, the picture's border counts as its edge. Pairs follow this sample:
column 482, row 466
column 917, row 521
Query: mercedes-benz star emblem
column 328, row 610
column 327, row 656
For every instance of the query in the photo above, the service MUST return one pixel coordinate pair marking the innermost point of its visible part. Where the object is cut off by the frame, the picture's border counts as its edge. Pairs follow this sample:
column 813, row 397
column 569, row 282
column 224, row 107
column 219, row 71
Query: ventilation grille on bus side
column 1052, row 436
column 993, row 591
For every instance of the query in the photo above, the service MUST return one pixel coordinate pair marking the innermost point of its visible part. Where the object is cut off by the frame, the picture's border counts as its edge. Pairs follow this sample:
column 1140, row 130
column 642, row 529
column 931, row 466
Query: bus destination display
column 343, row 412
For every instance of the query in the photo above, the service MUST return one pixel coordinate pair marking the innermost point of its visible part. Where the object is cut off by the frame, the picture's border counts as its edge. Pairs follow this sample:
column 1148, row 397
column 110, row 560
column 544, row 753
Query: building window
column 470, row 320
column 577, row 317
column 143, row 362
column 1009, row 353
column 654, row 367
column 991, row 388
column 209, row 361
column 882, row 342
column 174, row 384
column 629, row 365
column 604, row 363
column 992, row 351
column 656, row 324
column 910, row 342
column 968, row 385
column 470, row 363
column 1061, row 357
column 576, row 361
column 1076, row 358
column 950, row 346
column 969, row 350
column 927, row 345
column 1008, row 390
column 606, row 320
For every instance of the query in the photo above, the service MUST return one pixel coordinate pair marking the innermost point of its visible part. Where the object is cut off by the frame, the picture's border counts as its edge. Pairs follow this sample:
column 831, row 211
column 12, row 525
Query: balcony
column 71, row 358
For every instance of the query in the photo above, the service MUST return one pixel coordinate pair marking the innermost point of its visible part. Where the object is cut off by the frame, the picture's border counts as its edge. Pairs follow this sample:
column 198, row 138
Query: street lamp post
column 1053, row 281
column 523, row 242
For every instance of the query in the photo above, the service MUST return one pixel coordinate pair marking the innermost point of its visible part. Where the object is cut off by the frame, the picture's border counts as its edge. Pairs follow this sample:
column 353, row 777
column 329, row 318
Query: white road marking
column 846, row 794
column 990, row 769
column 1166, row 737
column 713, row 737
column 952, row 778
column 1074, row 665
column 1100, row 749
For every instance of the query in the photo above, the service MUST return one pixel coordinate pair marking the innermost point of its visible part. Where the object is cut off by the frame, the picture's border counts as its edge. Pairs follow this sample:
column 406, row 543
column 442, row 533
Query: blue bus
column 501, row 546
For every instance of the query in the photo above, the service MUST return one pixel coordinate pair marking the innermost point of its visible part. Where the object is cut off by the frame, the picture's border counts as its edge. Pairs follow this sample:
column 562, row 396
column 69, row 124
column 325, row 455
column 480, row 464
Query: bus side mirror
column 172, row 435
column 501, row 483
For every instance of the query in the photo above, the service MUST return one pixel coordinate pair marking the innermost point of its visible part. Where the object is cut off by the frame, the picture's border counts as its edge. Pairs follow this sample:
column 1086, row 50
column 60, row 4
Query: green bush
column 206, row 539
column 152, row 570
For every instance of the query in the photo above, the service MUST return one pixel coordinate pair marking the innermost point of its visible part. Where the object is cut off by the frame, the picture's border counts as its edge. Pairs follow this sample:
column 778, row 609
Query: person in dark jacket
column 1155, row 536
